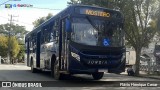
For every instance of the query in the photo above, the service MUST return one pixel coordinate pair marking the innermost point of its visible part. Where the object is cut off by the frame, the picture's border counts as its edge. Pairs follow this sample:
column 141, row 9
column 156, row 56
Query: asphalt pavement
column 20, row 72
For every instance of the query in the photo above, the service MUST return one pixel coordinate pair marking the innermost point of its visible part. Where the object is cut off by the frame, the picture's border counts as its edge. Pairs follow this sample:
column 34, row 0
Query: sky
column 24, row 16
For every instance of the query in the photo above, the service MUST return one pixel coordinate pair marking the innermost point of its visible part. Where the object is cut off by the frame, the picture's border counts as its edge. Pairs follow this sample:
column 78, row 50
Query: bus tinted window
column 96, row 33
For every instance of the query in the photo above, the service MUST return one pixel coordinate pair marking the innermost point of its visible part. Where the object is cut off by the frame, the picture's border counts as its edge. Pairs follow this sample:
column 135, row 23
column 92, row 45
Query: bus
column 81, row 39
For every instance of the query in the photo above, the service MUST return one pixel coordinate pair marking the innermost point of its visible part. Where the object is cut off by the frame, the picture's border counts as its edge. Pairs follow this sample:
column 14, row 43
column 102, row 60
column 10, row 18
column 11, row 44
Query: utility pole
column 9, row 39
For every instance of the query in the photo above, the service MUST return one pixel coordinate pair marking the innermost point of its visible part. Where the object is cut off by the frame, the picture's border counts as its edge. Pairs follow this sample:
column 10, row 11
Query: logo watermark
column 6, row 84
column 21, row 84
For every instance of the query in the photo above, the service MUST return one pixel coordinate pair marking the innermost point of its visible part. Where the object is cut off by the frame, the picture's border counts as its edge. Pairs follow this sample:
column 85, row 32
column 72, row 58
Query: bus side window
column 51, row 37
column 47, row 37
column 55, row 36
column 55, row 32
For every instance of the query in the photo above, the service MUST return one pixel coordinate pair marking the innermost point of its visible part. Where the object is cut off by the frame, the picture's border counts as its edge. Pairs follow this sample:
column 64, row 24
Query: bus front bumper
column 76, row 67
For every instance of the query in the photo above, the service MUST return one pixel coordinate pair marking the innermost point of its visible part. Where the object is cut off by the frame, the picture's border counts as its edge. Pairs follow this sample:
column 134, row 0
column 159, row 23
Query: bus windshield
column 96, row 32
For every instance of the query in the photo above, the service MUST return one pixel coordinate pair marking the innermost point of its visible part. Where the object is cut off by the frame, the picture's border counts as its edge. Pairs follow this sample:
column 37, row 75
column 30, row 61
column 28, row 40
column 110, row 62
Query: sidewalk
column 145, row 75
column 150, row 76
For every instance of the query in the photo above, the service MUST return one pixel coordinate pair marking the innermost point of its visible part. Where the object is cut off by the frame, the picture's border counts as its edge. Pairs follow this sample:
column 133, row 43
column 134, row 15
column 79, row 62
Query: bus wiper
column 93, row 25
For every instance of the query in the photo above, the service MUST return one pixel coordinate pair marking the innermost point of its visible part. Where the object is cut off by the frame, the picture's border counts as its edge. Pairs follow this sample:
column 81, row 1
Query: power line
column 23, row 22
column 4, row 17
column 45, row 8
column 17, row 21
column 7, row 1
column 4, row 2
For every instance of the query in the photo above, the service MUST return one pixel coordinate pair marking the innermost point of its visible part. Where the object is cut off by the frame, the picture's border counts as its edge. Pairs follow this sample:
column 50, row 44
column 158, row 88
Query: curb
column 149, row 77
column 143, row 76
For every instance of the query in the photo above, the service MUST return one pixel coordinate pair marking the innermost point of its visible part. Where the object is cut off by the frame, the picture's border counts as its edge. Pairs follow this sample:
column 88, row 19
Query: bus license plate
column 103, row 70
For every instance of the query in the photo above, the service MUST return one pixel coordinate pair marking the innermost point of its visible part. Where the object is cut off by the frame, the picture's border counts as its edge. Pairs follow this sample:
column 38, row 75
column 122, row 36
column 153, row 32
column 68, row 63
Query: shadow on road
column 74, row 81
column 46, row 79
column 66, row 77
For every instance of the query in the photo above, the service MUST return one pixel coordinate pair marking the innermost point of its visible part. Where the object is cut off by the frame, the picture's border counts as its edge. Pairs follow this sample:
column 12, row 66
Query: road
column 85, row 82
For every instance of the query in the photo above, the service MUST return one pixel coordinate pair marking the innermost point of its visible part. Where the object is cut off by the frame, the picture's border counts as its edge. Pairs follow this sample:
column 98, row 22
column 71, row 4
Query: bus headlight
column 76, row 56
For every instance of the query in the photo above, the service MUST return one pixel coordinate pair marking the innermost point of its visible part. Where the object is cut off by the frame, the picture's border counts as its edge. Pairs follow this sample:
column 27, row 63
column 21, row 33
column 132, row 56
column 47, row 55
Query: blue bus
column 80, row 39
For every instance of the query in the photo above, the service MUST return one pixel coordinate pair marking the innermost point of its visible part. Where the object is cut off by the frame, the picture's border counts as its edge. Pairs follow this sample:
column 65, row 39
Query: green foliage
column 156, row 17
column 138, row 27
column 14, row 47
column 41, row 20
column 16, row 30
column 17, row 37
column 102, row 3
column 3, row 46
column 21, row 52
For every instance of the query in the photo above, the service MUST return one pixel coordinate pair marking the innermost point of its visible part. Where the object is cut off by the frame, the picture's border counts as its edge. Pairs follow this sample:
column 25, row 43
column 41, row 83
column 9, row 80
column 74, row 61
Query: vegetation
column 41, row 20
column 140, row 24
column 4, row 47
column 16, row 41
column 17, row 33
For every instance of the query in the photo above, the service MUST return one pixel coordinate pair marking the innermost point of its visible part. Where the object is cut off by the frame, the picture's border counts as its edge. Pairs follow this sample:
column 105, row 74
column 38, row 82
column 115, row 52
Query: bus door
column 27, row 45
column 64, row 52
column 38, row 49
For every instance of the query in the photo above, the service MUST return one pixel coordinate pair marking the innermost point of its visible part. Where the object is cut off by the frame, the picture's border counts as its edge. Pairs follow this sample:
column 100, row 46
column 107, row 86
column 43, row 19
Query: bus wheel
column 57, row 74
column 33, row 70
column 98, row 75
column 52, row 68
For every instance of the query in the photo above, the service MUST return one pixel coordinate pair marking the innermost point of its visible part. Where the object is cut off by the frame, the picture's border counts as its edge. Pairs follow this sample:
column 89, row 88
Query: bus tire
column 98, row 75
column 57, row 74
column 33, row 70
column 52, row 65
column 52, row 72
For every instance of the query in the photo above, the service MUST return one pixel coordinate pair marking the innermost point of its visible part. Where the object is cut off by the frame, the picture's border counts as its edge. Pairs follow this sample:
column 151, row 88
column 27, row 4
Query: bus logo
column 6, row 84
column 97, row 62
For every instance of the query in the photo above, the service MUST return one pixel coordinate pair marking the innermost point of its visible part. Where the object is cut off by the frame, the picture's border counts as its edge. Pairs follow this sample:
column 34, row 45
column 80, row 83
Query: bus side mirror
column 68, row 26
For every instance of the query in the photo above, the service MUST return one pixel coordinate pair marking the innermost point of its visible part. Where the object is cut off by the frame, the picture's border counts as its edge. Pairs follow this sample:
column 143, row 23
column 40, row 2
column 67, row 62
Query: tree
column 139, row 26
column 103, row 3
column 21, row 53
column 41, row 20
column 156, row 17
column 14, row 47
column 18, row 32
column 4, row 46
column 15, row 30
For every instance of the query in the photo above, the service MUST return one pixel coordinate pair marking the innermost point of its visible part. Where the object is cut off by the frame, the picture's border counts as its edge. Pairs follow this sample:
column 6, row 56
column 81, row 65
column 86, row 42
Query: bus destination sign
column 92, row 12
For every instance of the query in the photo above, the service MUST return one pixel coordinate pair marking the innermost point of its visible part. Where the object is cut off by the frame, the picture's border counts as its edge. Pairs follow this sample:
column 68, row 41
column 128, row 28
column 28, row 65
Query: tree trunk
column 137, row 63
